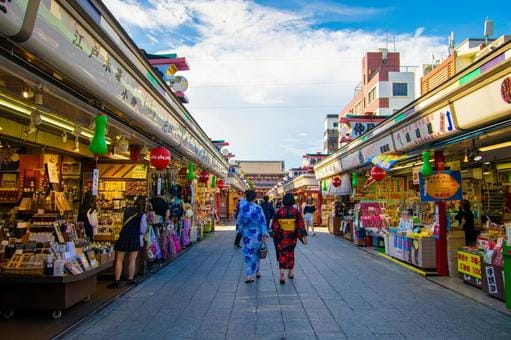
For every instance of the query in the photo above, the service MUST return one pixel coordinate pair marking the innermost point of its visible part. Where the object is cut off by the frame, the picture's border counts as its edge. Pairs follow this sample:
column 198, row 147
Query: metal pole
column 441, row 242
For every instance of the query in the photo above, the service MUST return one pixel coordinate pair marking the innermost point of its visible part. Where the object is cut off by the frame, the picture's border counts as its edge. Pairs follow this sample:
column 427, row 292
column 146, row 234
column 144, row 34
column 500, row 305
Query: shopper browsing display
column 130, row 240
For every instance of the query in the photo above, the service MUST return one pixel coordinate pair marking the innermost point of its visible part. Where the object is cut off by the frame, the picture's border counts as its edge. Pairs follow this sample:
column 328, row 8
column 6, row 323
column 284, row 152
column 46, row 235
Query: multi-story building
column 386, row 87
column 262, row 175
column 331, row 133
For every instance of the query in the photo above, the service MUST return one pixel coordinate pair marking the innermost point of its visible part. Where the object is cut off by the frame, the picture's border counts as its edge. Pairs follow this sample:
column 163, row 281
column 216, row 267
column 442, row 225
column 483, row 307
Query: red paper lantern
column 220, row 184
column 336, row 182
column 377, row 173
column 204, row 177
column 160, row 157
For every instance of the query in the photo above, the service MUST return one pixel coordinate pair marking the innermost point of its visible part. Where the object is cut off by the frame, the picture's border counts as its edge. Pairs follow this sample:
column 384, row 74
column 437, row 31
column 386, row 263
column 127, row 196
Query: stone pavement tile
column 330, row 335
column 356, row 332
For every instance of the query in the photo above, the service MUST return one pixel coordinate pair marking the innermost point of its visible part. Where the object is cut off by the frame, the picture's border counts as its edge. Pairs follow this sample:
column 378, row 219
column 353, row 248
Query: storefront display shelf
column 54, row 293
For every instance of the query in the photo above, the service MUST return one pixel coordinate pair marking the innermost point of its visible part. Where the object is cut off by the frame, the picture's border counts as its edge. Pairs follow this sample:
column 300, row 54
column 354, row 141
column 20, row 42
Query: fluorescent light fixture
column 57, row 123
column 477, row 158
column 495, row 146
column 15, row 107
column 86, row 134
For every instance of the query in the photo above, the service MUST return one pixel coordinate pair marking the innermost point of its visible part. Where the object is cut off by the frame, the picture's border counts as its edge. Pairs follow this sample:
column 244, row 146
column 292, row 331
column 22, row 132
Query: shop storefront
column 305, row 187
column 232, row 192
column 55, row 80
column 410, row 173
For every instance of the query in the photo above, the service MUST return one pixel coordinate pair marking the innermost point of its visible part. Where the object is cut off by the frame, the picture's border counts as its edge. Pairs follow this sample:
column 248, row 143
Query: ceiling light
column 64, row 137
column 77, row 145
column 27, row 92
column 495, row 146
column 465, row 160
column 478, row 157
column 486, row 163
column 15, row 107
column 58, row 123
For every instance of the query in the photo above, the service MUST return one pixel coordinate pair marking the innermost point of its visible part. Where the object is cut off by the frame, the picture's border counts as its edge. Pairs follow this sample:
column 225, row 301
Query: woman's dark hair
column 88, row 202
column 140, row 203
column 250, row 195
column 288, row 200
column 266, row 198
column 465, row 205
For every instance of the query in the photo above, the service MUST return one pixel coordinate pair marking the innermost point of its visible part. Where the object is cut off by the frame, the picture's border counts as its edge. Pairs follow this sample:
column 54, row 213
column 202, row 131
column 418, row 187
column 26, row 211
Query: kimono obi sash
column 287, row 224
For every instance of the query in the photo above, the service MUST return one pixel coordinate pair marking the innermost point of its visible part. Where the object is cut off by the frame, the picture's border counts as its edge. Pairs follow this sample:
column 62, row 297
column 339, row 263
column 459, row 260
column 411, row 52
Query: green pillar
column 507, row 272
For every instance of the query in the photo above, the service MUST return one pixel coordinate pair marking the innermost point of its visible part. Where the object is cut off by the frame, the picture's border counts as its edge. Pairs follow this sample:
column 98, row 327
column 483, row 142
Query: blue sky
column 265, row 73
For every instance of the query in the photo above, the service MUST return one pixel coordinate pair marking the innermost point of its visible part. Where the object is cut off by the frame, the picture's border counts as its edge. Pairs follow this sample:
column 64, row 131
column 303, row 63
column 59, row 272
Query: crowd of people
column 285, row 222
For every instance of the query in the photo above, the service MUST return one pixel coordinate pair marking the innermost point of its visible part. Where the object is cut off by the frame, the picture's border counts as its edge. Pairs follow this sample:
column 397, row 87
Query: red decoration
column 220, row 184
column 135, row 155
column 336, row 182
column 160, row 157
column 204, row 177
column 377, row 173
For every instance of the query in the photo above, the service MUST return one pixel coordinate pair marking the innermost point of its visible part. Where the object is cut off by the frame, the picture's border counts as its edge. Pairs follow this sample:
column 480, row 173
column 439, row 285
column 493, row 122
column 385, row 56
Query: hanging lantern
column 220, row 184
column 325, row 188
column 377, row 173
column 213, row 182
column 98, row 144
column 336, row 182
column 160, row 157
column 204, row 177
column 426, row 169
column 354, row 179
column 191, row 171
column 135, row 153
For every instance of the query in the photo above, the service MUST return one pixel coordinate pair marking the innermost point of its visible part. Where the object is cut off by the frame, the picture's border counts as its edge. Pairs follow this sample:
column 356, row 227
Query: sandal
column 291, row 277
column 249, row 280
column 282, row 282
column 258, row 276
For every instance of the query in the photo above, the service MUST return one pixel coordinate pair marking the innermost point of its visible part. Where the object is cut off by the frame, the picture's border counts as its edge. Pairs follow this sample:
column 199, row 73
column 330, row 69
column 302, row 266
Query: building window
column 358, row 108
column 336, row 124
column 400, row 89
column 371, row 96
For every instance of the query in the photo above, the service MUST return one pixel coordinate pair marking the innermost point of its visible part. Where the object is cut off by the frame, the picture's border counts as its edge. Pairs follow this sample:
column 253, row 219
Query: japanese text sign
column 441, row 186
column 469, row 264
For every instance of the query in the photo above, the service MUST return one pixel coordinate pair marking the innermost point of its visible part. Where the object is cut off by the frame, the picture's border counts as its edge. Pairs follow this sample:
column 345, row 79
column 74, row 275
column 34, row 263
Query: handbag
column 262, row 252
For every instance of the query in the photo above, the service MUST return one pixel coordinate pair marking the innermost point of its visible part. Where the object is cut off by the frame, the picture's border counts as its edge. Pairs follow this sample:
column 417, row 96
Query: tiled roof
column 262, row 167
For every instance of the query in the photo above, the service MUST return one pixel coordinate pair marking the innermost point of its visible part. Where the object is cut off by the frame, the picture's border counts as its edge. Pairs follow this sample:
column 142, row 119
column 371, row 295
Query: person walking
column 88, row 215
column 467, row 223
column 252, row 225
column 130, row 240
column 237, row 240
column 267, row 210
column 308, row 215
column 288, row 227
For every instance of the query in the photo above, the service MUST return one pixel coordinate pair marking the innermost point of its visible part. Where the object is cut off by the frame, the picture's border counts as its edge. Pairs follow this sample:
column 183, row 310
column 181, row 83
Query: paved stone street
column 338, row 292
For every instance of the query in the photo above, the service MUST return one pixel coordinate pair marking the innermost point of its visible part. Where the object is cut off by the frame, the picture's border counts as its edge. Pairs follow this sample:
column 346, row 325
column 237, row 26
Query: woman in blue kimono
column 252, row 225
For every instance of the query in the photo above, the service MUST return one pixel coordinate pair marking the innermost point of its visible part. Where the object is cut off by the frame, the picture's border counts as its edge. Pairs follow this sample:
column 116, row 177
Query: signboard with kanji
column 441, row 186
column 469, row 264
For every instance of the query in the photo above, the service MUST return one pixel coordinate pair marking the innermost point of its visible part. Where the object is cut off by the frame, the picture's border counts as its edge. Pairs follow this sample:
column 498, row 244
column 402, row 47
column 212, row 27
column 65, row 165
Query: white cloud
column 258, row 73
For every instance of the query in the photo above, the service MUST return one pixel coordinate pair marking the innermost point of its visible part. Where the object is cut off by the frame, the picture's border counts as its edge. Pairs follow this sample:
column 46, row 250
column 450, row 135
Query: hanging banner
column 343, row 187
column 386, row 162
column 95, row 182
column 441, row 186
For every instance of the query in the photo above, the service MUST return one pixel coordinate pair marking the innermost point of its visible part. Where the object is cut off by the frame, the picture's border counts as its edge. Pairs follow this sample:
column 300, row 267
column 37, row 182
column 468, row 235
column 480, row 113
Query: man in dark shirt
column 267, row 210
column 467, row 223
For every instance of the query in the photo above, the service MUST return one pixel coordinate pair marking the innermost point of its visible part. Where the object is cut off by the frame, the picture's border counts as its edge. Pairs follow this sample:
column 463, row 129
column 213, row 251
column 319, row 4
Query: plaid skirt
column 129, row 240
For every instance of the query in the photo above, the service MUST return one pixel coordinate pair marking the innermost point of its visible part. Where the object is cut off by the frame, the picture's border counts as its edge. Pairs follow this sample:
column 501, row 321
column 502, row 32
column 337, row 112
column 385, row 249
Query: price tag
column 95, row 182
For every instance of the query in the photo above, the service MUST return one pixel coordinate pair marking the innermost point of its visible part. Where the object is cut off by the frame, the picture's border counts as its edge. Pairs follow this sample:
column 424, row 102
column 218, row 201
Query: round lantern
column 336, row 182
column 160, row 157
column 220, row 184
column 204, row 177
column 377, row 173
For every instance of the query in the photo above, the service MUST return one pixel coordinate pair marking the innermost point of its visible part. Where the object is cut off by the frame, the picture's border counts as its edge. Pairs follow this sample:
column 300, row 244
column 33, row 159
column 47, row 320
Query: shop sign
column 415, row 175
column 487, row 104
column 441, row 186
column 329, row 170
column 491, row 280
column 53, row 175
column 353, row 160
column 434, row 126
column 469, row 264
column 61, row 40
column 344, row 187
column 139, row 172
column 95, row 182
column 12, row 14
column 381, row 146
